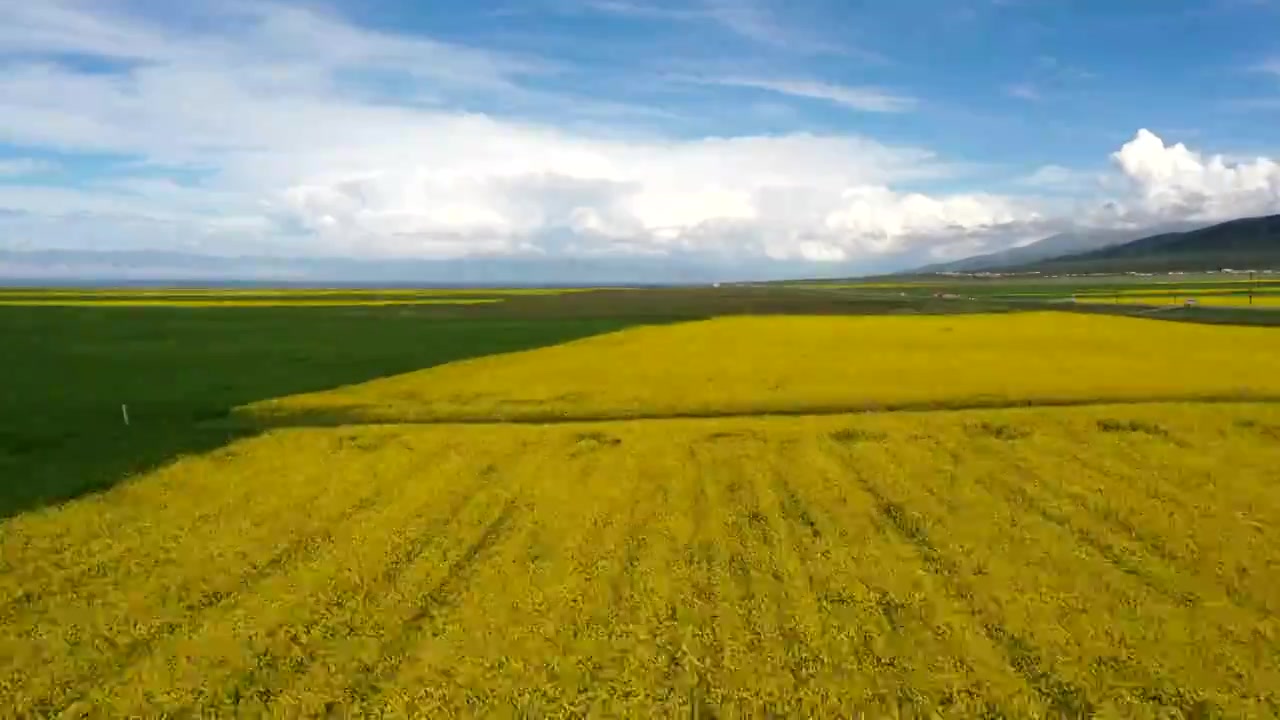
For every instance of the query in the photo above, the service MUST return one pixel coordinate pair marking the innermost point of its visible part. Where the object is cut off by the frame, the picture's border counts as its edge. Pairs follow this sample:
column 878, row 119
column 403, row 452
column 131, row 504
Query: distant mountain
column 1249, row 243
column 147, row 267
column 73, row 267
column 1054, row 246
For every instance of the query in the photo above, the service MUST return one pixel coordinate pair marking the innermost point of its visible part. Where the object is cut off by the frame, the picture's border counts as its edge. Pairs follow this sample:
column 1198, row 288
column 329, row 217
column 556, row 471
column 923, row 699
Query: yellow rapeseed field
column 645, row 541
column 1189, row 290
column 1260, row 301
column 746, row 365
column 1117, row 561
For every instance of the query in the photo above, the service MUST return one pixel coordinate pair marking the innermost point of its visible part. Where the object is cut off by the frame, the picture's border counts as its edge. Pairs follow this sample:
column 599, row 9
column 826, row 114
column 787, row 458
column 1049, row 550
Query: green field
column 70, row 369
column 683, row 502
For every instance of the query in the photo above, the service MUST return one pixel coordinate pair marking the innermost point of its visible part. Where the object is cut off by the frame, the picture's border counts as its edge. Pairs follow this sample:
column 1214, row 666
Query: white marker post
column 124, row 412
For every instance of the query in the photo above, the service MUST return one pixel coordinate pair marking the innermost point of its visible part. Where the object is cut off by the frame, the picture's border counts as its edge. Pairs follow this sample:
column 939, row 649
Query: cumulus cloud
column 16, row 167
column 250, row 137
column 1175, row 182
column 302, row 162
column 778, row 197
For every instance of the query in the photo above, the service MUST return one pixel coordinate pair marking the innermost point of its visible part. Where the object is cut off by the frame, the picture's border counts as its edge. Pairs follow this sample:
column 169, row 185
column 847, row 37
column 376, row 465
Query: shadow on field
column 69, row 370
column 533, row 413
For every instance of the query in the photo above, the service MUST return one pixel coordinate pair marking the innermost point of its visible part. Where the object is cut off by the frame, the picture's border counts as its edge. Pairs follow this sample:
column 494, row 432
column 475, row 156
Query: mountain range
column 1247, row 243
column 154, row 267
column 1054, row 246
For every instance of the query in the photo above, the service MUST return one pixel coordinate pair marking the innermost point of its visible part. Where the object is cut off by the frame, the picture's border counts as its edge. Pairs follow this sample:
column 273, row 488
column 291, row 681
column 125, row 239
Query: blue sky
column 837, row 134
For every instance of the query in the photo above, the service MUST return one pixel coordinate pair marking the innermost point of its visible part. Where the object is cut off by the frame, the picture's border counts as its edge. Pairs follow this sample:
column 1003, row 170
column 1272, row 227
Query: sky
column 763, row 137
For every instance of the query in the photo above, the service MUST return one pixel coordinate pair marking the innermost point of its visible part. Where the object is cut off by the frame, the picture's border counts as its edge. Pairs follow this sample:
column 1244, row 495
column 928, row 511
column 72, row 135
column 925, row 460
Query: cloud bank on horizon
column 721, row 132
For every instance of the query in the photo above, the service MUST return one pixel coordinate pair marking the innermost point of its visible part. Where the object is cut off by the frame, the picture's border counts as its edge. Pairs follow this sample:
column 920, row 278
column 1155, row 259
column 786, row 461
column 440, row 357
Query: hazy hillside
column 1240, row 244
column 38, row 267
column 1054, row 246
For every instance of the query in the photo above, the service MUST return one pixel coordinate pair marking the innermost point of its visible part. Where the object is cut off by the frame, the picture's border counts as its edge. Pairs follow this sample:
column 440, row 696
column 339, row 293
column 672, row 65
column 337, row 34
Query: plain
column 779, row 513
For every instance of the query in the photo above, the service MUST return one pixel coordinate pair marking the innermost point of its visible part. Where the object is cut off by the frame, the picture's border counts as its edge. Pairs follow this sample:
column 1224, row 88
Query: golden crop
column 691, row 556
column 1116, row 560
column 1260, row 301
column 1189, row 290
column 747, row 365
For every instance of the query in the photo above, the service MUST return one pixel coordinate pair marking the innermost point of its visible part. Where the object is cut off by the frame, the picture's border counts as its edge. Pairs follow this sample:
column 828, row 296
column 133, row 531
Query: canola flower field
column 751, row 365
column 604, row 547
column 1024, row 562
column 1260, row 301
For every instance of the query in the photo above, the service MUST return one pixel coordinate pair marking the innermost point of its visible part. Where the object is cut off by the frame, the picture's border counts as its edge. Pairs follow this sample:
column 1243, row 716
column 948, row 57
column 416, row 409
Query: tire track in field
column 1019, row 497
column 1151, row 691
column 101, row 563
column 593, row 451
column 253, row 682
column 130, row 653
column 1063, row 697
column 1130, row 457
column 698, row 653
column 743, row 522
column 1146, row 539
column 798, row 530
column 439, row 598
column 765, row 567
column 635, row 544
column 1186, row 600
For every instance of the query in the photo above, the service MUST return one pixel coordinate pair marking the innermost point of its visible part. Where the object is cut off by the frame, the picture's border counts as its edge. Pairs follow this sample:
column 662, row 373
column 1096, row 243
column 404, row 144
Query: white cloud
column 17, row 167
column 1174, row 182
column 1056, row 178
column 1270, row 66
column 280, row 139
column 863, row 98
column 523, row 188
column 1023, row 91
column 1265, row 103
column 272, row 150
column 61, row 26
column 630, row 8
column 759, row 21
column 754, row 20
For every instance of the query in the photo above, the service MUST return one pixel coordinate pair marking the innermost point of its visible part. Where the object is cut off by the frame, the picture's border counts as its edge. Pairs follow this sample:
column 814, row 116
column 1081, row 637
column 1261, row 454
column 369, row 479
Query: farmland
column 784, row 365
column 572, row 504
column 1023, row 562
column 1261, row 301
column 70, row 369
column 262, row 297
